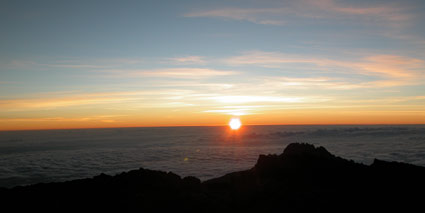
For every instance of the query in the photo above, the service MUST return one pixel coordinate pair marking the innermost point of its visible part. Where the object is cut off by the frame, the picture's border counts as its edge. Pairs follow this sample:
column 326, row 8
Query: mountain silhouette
column 304, row 178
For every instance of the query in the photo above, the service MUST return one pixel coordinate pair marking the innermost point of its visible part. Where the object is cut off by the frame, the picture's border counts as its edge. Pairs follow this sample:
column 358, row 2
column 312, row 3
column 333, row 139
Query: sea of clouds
column 28, row 157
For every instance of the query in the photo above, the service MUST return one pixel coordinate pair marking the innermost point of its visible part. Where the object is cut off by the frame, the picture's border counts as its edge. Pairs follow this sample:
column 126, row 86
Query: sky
column 95, row 64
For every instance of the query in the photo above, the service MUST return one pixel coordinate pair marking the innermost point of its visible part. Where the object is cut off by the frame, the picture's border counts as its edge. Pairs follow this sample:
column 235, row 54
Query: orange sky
column 191, row 64
column 288, row 117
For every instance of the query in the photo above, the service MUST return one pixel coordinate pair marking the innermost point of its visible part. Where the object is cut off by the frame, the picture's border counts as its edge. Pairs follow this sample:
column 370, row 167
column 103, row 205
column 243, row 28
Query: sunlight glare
column 235, row 123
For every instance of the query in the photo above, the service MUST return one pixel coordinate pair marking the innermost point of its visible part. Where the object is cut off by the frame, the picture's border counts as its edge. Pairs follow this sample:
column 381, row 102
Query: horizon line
column 123, row 127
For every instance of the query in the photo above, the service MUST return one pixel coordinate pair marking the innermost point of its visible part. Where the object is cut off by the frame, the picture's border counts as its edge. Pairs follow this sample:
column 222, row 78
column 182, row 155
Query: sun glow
column 235, row 123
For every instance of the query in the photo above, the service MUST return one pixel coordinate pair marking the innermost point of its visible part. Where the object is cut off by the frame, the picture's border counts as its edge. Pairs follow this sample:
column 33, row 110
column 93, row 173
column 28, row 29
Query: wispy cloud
column 235, row 112
column 159, row 98
column 258, row 16
column 189, row 60
column 387, row 11
column 385, row 100
column 194, row 83
column 102, row 63
column 314, row 9
column 254, row 104
column 94, row 64
column 75, row 99
column 187, row 73
column 76, row 66
column 392, row 66
column 72, row 100
column 255, row 99
column 183, row 73
column 330, row 84
column 269, row 59
column 98, row 118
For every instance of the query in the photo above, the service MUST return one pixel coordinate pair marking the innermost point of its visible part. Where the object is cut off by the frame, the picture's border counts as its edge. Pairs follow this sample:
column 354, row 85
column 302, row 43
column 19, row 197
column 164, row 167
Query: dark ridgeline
column 302, row 179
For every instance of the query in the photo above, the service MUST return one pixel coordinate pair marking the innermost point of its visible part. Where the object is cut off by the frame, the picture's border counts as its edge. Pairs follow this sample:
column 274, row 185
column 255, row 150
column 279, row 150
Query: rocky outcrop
column 304, row 178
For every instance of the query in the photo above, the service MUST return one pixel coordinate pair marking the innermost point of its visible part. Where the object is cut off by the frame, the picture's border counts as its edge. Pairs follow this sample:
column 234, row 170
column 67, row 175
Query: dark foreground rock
column 302, row 179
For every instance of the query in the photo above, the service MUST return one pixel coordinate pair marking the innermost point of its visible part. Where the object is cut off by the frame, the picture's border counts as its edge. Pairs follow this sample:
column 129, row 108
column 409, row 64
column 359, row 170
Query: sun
column 235, row 123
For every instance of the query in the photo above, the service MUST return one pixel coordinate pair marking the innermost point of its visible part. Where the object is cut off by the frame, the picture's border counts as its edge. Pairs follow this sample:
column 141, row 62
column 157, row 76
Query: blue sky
column 110, row 62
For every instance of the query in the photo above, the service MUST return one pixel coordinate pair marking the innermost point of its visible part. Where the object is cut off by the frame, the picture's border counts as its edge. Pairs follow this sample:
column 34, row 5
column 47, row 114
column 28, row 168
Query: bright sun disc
column 235, row 123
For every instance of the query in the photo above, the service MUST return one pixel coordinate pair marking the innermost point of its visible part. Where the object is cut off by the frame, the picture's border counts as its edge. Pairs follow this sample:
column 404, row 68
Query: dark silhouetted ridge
column 304, row 178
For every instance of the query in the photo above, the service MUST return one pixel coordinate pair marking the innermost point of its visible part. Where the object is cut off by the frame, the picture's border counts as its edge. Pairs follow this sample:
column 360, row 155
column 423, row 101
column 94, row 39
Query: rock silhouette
column 304, row 178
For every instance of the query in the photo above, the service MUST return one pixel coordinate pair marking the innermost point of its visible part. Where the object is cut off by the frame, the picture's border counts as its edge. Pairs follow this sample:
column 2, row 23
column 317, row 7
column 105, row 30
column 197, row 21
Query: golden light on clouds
column 362, row 63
